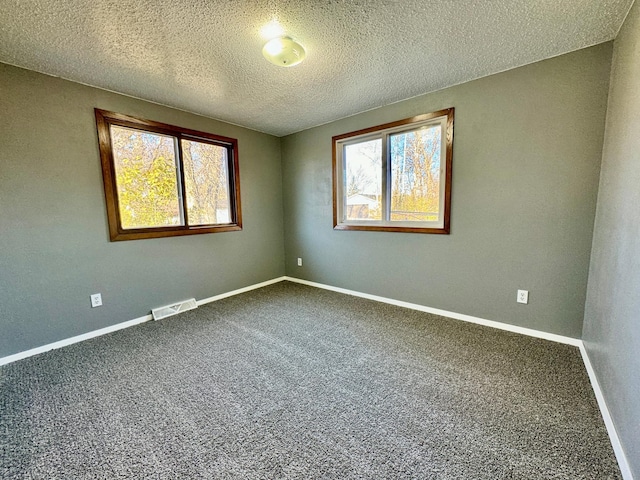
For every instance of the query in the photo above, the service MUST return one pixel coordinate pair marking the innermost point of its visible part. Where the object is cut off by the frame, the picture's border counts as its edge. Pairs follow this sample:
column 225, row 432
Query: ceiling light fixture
column 283, row 51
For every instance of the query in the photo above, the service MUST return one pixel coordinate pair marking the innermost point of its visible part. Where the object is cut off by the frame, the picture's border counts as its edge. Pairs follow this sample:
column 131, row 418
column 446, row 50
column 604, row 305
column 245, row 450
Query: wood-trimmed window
column 161, row 180
column 395, row 177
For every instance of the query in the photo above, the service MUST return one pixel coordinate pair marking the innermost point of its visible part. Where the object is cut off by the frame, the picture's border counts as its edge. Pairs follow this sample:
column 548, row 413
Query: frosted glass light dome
column 283, row 51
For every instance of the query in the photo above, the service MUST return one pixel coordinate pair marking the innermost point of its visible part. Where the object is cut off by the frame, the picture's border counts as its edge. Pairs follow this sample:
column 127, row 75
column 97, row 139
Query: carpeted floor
column 291, row 381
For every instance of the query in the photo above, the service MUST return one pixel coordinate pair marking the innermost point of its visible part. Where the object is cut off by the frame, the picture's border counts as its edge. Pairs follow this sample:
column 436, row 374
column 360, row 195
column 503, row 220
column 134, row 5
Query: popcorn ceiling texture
column 205, row 56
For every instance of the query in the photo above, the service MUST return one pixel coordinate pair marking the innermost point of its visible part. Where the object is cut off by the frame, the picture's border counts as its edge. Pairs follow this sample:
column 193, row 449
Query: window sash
column 444, row 119
column 125, row 134
column 104, row 121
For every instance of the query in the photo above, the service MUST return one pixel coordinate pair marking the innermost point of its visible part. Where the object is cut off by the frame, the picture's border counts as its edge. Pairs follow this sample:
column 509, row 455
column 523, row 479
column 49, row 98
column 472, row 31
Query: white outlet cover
column 523, row 296
column 96, row 300
column 299, row 261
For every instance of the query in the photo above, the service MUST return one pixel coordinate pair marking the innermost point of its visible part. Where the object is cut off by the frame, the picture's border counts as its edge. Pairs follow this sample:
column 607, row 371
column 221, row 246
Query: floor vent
column 170, row 310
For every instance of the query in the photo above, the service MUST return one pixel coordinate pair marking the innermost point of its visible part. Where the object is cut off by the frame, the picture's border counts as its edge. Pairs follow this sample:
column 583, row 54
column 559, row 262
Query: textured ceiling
column 204, row 56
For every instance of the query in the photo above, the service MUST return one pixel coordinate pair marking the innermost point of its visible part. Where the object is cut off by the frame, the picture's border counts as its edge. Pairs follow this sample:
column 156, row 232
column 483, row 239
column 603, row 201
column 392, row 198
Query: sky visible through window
column 414, row 176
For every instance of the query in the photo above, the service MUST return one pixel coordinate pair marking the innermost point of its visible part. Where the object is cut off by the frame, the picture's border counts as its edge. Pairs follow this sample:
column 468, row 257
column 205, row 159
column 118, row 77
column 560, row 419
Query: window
column 395, row 177
column 161, row 180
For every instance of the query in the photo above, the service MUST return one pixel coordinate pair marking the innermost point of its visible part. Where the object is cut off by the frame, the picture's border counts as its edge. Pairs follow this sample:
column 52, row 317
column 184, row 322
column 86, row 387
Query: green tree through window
column 162, row 180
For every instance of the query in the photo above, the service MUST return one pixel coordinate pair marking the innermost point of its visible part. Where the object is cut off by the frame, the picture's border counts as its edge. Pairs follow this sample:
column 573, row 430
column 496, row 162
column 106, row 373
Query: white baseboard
column 445, row 313
column 69, row 341
column 414, row 306
column 613, row 435
column 240, row 290
column 625, row 469
column 119, row 326
column 606, row 416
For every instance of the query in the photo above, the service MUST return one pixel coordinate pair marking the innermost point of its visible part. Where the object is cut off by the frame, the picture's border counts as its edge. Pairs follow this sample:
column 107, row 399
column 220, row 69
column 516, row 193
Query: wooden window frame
column 104, row 120
column 384, row 131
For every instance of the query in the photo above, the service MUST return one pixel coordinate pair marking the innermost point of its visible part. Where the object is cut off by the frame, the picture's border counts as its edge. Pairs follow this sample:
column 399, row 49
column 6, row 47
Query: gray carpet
column 291, row 381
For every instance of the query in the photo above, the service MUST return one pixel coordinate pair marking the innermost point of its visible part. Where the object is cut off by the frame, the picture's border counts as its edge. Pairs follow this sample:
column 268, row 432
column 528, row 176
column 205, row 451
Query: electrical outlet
column 523, row 296
column 96, row 300
column 299, row 261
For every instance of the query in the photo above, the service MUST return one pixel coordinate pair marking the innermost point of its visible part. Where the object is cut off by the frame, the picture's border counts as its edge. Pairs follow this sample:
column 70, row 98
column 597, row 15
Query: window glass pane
column 415, row 175
column 363, row 180
column 145, row 168
column 206, row 178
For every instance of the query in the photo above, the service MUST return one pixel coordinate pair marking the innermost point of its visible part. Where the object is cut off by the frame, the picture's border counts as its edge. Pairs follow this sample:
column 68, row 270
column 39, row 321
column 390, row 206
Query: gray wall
column 612, row 313
column 54, row 246
column 526, row 161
